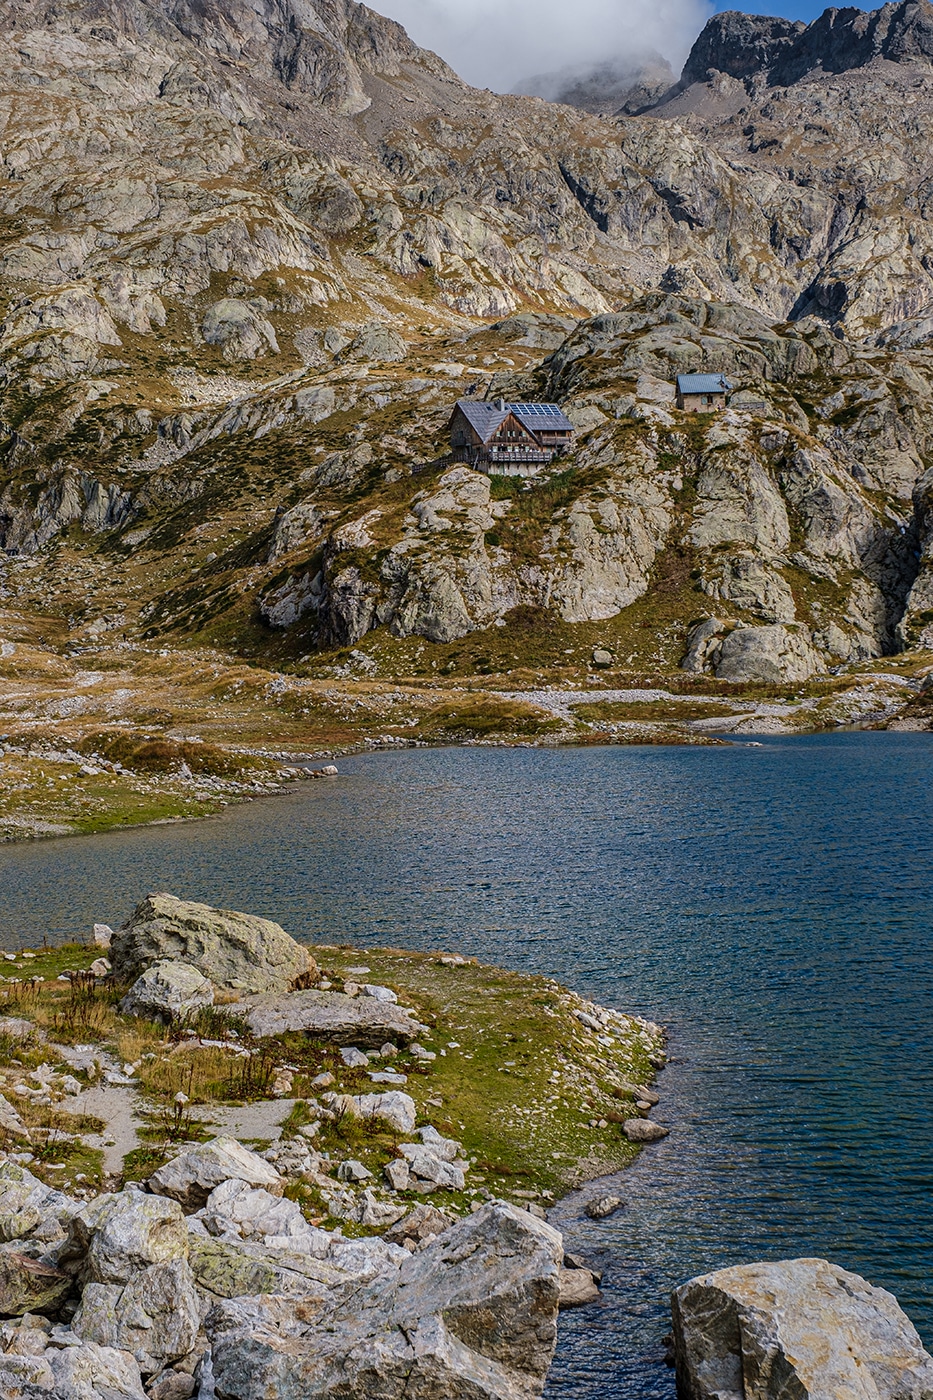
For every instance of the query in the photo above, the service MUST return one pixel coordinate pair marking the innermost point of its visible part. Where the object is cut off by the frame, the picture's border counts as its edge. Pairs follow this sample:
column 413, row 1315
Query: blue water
column 771, row 905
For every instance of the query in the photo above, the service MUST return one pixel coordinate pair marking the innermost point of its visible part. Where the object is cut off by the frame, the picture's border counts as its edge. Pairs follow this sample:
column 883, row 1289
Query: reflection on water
column 771, row 905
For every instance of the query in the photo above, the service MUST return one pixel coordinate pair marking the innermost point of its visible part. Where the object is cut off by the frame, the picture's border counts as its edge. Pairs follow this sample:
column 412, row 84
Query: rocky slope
column 250, row 255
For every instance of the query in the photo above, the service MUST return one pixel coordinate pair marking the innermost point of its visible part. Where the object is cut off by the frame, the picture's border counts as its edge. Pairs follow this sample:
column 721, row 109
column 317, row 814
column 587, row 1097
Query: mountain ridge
column 251, row 254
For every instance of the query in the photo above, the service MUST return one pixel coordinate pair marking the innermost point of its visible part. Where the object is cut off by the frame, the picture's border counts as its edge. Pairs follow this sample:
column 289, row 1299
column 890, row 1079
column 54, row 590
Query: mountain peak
column 783, row 51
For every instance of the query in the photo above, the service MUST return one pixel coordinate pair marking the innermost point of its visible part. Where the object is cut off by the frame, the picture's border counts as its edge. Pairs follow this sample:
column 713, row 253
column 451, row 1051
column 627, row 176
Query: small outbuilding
column 702, row 393
column 508, row 439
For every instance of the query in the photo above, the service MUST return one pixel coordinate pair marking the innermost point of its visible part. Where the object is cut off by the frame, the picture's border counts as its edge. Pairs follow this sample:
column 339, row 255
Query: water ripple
column 771, row 905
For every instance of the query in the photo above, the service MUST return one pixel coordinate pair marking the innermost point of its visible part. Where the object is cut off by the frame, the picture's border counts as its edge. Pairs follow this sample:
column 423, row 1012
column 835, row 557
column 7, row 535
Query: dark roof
column 702, row 384
column 546, row 417
column 486, row 416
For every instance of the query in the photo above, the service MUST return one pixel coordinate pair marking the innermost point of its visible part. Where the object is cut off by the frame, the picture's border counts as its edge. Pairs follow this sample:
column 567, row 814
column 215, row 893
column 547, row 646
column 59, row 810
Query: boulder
column 578, row 1288
column 395, row 1108
column 601, row 1207
column 29, row 1283
column 643, row 1130
column 194, row 1173
column 125, row 1232
column 102, row 937
column 768, row 654
column 168, row 991
column 156, row 1316
column 331, row 1016
column 802, row 1327
column 91, row 1372
column 238, row 952
column 473, row 1316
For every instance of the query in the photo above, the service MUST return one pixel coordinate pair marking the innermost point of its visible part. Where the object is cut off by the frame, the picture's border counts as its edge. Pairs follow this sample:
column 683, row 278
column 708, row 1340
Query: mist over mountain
column 505, row 46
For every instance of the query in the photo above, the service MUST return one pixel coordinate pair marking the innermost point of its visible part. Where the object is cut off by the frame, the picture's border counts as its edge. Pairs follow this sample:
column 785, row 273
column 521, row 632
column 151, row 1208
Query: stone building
column 702, row 393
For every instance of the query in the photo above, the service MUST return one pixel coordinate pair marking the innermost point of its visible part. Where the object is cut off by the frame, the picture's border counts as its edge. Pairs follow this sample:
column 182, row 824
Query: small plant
column 84, row 1014
column 210, row 1023
column 252, row 1079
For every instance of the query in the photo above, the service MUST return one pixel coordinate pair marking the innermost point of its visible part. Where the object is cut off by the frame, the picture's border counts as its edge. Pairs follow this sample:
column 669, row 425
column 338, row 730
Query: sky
column 503, row 43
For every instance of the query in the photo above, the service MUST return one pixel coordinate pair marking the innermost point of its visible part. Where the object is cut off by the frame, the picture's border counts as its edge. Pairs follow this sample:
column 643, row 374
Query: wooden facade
column 508, row 439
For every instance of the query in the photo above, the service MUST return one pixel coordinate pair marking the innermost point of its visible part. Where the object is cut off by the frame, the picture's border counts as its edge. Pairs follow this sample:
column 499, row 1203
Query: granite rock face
column 237, row 952
column 472, row 1316
column 195, row 293
column 803, row 1327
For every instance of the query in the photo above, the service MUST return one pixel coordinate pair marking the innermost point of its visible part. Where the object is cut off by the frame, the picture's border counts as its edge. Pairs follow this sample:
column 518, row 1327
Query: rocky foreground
column 358, row 1255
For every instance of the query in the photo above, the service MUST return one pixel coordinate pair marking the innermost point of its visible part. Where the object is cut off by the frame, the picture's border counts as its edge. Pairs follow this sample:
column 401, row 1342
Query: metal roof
column 487, row 416
column 702, row 384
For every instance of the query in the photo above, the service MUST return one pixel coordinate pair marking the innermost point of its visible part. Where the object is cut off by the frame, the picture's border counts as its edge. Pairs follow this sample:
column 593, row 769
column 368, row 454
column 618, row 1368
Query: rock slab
column 801, row 1327
column 332, row 1016
column 237, row 952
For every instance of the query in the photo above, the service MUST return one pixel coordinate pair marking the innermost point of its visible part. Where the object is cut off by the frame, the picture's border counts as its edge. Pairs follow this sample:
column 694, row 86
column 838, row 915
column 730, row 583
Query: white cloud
column 502, row 43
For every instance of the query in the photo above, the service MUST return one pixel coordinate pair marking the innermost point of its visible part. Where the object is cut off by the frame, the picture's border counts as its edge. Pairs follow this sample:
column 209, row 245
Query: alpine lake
column 770, row 903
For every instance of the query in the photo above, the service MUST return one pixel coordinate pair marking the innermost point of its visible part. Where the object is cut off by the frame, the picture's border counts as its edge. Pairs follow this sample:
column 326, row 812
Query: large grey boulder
column 801, row 1328
column 331, row 1016
column 238, row 952
column 155, row 1316
column 473, row 1316
column 194, row 1173
column 122, row 1233
column 167, row 991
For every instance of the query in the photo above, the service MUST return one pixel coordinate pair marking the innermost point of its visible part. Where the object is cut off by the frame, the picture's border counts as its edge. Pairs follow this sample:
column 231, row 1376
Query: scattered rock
column 601, row 1207
column 643, row 1130
column 397, row 1174
column 168, row 991
column 353, row 1058
column 379, row 993
column 194, row 1173
column 352, row 1170
column 578, row 1288
column 102, row 937
column 602, row 658
column 395, row 1108
column 801, row 1327
column 331, row 1016
column 237, row 952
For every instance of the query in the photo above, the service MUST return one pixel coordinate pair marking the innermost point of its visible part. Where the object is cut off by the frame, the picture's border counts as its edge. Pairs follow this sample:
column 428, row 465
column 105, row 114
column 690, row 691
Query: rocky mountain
column 251, row 251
